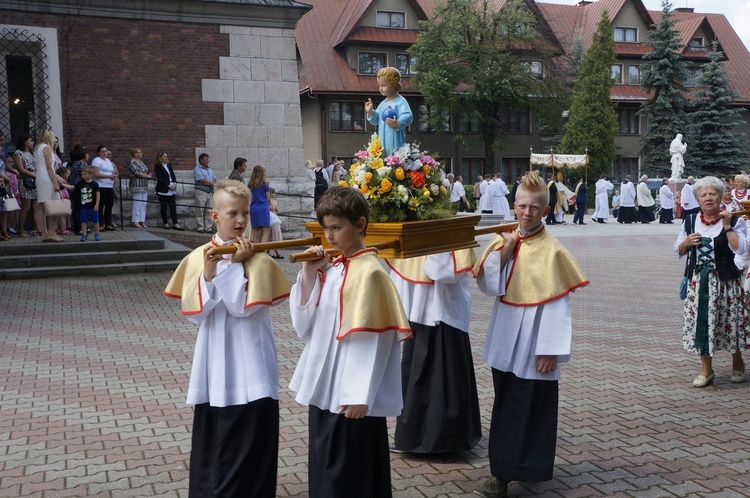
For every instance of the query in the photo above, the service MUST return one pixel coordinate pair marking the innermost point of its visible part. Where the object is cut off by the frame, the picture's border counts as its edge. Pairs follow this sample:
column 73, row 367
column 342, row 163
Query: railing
column 125, row 180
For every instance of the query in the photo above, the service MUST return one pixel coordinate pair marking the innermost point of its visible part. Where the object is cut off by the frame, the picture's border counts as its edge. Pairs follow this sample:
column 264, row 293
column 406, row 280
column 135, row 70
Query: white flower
column 384, row 170
column 417, row 164
column 434, row 189
column 403, row 193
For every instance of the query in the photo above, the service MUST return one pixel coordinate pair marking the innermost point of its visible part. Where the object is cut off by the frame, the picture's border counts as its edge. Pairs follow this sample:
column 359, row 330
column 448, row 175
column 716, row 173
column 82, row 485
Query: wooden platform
column 416, row 238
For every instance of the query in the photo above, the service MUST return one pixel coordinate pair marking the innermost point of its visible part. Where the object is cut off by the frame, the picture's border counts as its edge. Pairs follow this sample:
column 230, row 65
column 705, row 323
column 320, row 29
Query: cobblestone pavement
column 93, row 373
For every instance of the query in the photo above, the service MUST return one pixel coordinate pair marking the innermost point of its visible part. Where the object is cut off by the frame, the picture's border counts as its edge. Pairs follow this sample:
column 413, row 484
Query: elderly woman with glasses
column 715, row 316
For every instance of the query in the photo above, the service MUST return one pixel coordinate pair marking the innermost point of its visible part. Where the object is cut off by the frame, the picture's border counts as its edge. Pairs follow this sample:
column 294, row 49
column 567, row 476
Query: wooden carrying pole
column 308, row 256
column 270, row 246
column 311, row 256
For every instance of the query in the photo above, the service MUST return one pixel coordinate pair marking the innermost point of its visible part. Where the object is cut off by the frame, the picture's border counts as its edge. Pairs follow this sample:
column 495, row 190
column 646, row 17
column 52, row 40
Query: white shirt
column 235, row 355
column 627, row 195
column 644, row 195
column 105, row 168
column 447, row 300
column 516, row 335
column 457, row 191
column 687, row 197
column 666, row 197
column 363, row 368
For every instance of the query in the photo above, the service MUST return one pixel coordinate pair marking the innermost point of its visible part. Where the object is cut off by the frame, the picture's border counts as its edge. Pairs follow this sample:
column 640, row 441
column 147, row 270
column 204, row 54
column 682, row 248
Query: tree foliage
column 715, row 149
column 662, row 73
column 593, row 121
column 470, row 62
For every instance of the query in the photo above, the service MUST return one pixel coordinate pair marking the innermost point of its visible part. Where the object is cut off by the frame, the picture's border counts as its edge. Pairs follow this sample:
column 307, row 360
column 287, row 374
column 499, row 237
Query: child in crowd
column 441, row 404
column 234, row 382
column 528, row 338
column 64, row 226
column 350, row 315
column 87, row 199
column 616, row 204
column 275, row 223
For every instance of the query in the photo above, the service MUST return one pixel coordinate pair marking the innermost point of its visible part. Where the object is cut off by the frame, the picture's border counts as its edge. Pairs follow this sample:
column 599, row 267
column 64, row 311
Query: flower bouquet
column 404, row 186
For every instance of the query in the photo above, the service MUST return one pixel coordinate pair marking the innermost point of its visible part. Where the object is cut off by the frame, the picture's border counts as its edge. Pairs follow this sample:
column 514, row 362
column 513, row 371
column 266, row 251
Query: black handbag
column 29, row 183
column 690, row 262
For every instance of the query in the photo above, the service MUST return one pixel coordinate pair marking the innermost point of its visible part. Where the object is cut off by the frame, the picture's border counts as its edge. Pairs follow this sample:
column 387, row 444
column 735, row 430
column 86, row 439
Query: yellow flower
column 376, row 149
column 385, row 185
column 368, row 176
column 443, row 190
column 353, row 167
column 426, row 169
column 426, row 193
column 343, row 183
column 376, row 164
column 364, row 188
column 399, row 172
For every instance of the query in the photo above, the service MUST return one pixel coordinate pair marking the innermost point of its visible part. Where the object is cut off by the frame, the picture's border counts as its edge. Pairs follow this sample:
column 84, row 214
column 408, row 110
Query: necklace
column 709, row 223
column 739, row 194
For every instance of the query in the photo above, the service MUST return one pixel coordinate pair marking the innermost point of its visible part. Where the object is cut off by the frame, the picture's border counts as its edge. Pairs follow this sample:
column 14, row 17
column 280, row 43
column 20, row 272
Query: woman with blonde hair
column 46, row 182
column 260, row 211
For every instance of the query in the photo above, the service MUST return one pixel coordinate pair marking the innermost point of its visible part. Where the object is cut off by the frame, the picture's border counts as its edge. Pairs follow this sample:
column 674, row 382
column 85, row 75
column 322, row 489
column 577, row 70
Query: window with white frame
column 626, row 34
column 386, row 19
column 617, row 74
column 634, row 75
column 696, row 42
column 371, row 62
column 535, row 68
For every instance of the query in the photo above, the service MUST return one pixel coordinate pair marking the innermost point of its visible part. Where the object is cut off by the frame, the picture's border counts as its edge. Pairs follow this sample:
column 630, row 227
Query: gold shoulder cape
column 543, row 270
column 369, row 298
column 267, row 283
column 412, row 269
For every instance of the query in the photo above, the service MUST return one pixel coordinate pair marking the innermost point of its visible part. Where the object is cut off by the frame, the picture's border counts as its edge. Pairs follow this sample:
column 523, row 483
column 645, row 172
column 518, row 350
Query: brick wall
column 135, row 83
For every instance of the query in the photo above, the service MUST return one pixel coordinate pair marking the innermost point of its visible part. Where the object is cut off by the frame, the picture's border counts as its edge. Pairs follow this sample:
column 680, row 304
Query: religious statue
column 393, row 115
column 676, row 149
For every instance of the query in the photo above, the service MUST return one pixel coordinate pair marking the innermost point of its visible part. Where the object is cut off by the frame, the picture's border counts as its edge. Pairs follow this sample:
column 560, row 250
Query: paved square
column 93, row 374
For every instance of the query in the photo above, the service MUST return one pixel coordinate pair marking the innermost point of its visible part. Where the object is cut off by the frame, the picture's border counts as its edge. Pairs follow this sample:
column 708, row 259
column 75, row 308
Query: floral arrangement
column 403, row 186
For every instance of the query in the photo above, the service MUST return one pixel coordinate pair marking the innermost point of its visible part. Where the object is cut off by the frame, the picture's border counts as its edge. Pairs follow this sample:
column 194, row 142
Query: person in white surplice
column 499, row 200
column 530, row 275
column 602, row 188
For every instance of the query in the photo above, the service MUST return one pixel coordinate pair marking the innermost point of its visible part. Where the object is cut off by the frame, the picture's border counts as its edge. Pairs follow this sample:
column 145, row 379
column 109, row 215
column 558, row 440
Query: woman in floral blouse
column 138, row 186
column 716, row 308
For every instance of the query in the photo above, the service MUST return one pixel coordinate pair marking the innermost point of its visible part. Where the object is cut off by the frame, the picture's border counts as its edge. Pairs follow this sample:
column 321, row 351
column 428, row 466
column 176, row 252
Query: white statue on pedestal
column 676, row 149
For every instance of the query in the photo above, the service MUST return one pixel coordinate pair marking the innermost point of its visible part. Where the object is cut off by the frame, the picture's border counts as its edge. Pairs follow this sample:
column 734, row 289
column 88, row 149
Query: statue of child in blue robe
column 393, row 114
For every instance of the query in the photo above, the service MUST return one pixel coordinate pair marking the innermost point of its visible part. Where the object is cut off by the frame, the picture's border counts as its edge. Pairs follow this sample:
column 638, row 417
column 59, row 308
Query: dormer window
column 535, row 68
column 371, row 62
column 396, row 20
column 626, row 35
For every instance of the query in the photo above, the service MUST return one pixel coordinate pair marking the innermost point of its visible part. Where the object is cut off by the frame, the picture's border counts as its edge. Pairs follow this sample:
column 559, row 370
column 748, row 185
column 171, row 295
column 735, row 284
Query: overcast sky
column 737, row 11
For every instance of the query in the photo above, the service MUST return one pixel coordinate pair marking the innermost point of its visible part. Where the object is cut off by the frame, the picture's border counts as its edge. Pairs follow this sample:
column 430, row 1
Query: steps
column 133, row 251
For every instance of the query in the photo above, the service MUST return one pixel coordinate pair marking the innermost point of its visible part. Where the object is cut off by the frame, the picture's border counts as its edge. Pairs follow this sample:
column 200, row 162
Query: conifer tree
column 592, row 122
column 662, row 73
column 716, row 149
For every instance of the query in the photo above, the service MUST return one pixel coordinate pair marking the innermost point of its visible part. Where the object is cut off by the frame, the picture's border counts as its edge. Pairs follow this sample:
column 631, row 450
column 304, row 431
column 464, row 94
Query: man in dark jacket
column 581, row 198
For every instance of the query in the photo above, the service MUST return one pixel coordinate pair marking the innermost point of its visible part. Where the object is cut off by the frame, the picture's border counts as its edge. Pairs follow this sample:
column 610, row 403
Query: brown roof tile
column 333, row 22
